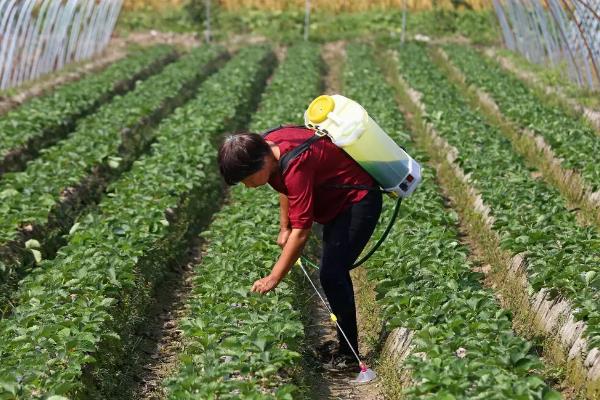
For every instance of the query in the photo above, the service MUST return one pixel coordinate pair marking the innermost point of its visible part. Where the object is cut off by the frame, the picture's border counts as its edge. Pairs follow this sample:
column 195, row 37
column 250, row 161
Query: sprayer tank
column 350, row 127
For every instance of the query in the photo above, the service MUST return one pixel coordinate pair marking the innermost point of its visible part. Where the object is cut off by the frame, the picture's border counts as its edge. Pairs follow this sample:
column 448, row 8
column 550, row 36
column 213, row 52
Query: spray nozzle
column 365, row 375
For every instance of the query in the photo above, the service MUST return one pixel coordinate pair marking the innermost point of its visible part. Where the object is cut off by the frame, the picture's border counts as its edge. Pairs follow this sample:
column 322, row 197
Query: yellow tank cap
column 320, row 108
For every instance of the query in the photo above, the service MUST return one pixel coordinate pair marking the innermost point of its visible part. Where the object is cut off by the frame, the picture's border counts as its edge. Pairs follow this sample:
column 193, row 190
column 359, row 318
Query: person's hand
column 284, row 235
column 265, row 284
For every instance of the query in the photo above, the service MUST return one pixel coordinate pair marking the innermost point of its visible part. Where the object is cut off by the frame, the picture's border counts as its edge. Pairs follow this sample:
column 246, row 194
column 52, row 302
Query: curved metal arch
column 112, row 21
column 62, row 35
column 82, row 42
column 27, row 47
column 6, row 28
column 97, row 27
column 44, row 40
column 75, row 30
column 40, row 36
column 555, row 31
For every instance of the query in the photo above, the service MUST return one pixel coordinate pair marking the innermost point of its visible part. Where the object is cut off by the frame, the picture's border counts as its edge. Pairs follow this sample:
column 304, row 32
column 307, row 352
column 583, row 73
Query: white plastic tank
column 350, row 127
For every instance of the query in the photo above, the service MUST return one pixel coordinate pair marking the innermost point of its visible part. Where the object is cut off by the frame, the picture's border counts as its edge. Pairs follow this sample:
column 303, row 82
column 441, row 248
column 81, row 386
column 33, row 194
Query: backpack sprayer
column 349, row 127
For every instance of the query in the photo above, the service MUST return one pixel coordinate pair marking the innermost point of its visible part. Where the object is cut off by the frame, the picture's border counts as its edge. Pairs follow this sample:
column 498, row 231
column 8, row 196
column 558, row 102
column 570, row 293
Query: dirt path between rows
column 116, row 49
column 161, row 341
column 69, row 74
column 318, row 326
column 531, row 79
column 329, row 384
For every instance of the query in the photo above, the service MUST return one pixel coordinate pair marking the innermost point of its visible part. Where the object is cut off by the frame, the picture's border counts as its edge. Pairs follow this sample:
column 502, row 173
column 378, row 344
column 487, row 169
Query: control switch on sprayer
column 350, row 127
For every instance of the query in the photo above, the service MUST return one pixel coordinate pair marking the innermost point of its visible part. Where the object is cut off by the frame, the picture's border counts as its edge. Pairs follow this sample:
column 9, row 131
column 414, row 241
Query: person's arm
column 299, row 205
column 289, row 255
column 285, row 228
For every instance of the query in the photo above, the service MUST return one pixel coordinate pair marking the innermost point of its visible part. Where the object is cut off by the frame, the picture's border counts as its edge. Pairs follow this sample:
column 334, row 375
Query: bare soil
column 71, row 73
column 529, row 77
column 319, row 328
column 116, row 49
column 481, row 253
column 329, row 384
column 161, row 340
column 334, row 54
column 148, row 38
column 236, row 42
column 478, row 259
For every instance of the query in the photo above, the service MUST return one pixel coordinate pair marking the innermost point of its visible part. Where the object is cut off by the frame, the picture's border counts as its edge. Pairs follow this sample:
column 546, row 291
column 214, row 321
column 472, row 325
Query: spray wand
column 366, row 374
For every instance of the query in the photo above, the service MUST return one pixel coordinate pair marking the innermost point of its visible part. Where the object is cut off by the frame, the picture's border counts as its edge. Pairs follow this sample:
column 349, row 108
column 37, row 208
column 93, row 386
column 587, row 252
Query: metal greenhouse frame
column 41, row 36
column 556, row 32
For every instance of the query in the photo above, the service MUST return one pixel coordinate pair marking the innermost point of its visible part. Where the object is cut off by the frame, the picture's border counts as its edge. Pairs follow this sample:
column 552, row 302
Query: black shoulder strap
column 360, row 187
column 285, row 160
column 265, row 133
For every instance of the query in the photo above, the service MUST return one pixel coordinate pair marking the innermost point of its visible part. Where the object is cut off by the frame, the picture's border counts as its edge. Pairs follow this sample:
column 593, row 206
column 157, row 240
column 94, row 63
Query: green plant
column 555, row 76
column 196, row 10
column 169, row 19
column 573, row 140
column 238, row 344
column 78, row 313
column 530, row 217
column 41, row 202
column 426, row 283
column 288, row 26
column 44, row 120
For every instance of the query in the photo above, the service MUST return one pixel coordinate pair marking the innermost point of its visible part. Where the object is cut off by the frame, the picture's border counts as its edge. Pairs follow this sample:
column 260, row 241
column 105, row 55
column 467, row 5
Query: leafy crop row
column 573, row 140
column 237, row 342
column 425, row 282
column 44, row 120
column 81, row 309
column 42, row 201
column 302, row 75
column 530, row 217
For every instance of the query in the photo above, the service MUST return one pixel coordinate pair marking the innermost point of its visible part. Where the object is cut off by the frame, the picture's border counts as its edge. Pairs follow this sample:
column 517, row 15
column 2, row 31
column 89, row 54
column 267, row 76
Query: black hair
column 242, row 155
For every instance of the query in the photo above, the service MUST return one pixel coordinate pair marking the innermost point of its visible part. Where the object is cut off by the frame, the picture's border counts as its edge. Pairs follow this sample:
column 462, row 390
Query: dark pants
column 344, row 238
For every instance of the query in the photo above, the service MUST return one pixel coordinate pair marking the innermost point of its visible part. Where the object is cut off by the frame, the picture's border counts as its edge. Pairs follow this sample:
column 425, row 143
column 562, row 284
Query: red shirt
column 306, row 179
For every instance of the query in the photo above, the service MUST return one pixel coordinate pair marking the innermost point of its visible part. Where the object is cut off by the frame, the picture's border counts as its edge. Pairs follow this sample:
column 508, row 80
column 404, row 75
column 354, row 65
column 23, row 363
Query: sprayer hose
column 383, row 237
column 376, row 246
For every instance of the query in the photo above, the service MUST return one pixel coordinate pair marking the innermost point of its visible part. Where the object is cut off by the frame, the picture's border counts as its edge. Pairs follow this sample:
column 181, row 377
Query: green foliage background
column 287, row 26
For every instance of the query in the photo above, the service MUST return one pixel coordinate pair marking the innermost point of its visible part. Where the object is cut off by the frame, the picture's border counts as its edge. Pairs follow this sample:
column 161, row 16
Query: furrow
column 531, row 146
column 571, row 139
column 533, row 242
column 78, row 315
column 238, row 344
column 448, row 337
column 40, row 204
column 44, row 120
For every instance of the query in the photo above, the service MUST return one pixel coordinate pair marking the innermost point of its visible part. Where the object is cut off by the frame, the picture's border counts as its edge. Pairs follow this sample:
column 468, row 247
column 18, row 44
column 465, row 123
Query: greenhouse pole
column 518, row 27
column 507, row 32
column 207, row 35
column 306, row 18
column 560, row 23
column 6, row 29
column 40, row 36
column 404, row 6
column 584, row 38
column 548, row 40
column 589, row 8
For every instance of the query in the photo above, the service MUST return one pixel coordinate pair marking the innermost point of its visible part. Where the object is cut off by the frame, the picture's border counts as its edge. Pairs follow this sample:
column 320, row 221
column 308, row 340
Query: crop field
column 126, row 263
